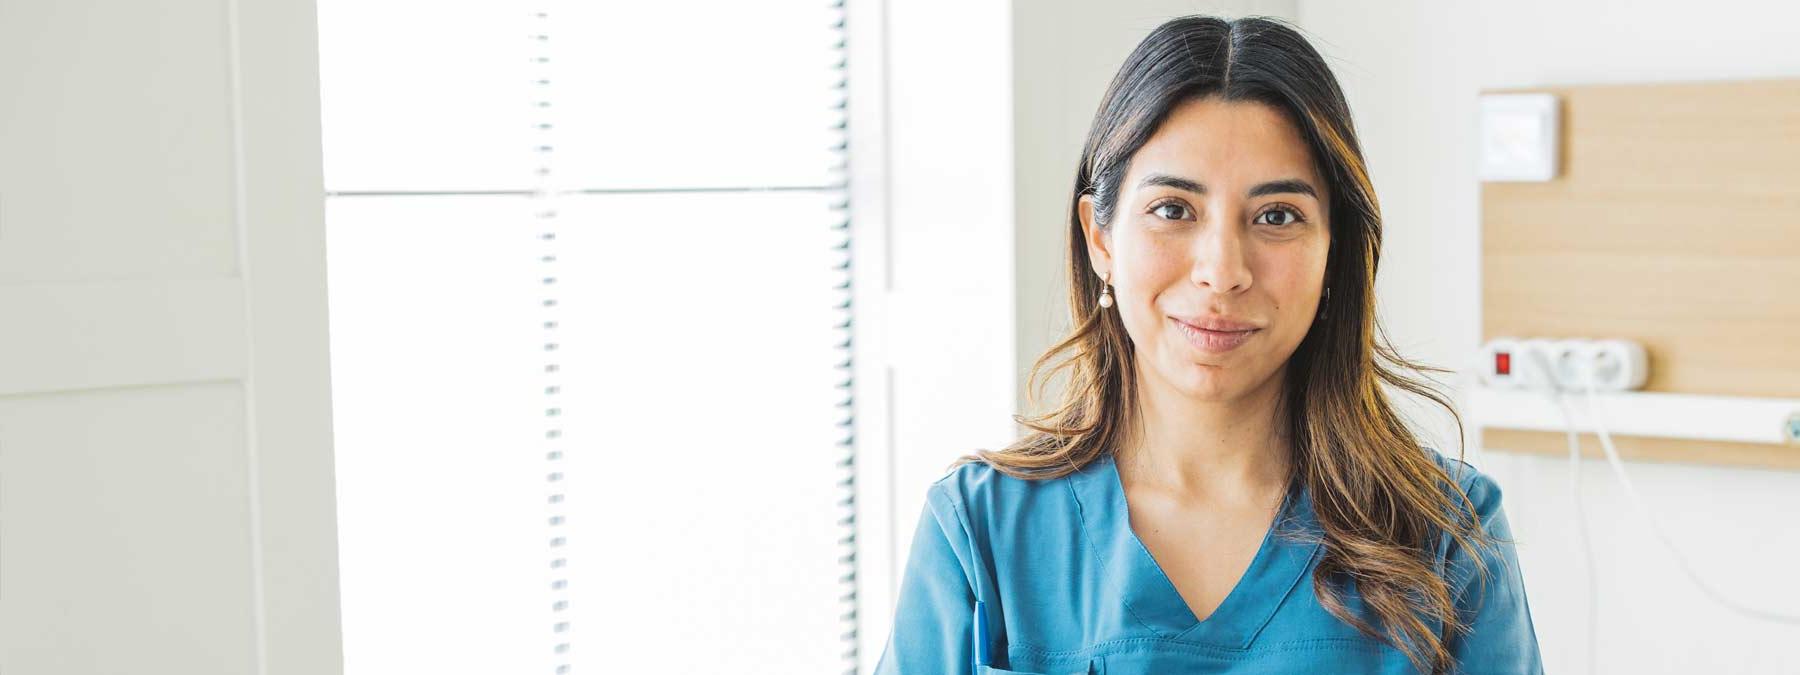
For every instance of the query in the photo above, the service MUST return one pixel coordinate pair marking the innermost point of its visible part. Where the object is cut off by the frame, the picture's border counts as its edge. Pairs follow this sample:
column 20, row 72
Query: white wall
column 934, row 290
column 166, row 488
column 1412, row 71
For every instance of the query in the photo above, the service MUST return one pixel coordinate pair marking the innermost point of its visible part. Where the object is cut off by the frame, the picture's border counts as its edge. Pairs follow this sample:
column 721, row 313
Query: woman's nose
column 1219, row 261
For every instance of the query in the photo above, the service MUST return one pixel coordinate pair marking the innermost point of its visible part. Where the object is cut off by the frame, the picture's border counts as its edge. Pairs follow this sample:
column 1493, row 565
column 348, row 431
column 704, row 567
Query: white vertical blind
column 699, row 94
column 590, row 336
column 426, row 96
column 435, row 418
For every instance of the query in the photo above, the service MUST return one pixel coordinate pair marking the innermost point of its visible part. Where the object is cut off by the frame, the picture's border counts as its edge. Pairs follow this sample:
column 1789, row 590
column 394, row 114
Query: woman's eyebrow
column 1283, row 186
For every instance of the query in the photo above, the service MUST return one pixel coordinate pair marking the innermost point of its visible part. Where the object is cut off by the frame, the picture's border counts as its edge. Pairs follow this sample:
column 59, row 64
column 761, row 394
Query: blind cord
column 846, row 445
column 544, row 200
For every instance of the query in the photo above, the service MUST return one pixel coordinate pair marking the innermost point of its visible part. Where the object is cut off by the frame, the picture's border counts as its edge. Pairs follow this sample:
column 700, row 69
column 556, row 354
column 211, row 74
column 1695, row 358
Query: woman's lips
column 1214, row 340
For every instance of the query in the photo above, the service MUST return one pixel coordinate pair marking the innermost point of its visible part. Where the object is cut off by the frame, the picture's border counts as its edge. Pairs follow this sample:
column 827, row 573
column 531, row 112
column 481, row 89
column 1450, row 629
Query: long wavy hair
column 1382, row 502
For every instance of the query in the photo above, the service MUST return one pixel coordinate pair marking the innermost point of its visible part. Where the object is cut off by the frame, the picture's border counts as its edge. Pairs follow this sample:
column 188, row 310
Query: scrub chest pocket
column 1094, row 667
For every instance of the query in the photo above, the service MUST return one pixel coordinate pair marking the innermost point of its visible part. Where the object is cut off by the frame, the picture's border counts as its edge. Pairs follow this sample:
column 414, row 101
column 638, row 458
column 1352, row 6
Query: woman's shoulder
column 983, row 492
column 1490, row 561
column 1481, row 489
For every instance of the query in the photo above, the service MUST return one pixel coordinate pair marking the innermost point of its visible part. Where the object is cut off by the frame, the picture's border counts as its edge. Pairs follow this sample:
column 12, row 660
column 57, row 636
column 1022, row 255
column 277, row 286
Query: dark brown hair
column 1382, row 502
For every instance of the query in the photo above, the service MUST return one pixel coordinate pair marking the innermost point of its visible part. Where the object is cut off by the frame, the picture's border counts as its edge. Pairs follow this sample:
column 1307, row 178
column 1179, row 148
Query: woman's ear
column 1099, row 242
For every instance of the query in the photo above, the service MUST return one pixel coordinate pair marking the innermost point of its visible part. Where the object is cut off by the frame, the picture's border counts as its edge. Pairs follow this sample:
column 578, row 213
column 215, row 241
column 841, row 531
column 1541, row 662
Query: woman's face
column 1220, row 224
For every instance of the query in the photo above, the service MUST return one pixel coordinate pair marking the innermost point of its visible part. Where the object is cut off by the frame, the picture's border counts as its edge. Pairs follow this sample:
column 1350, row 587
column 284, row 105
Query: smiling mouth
column 1217, row 341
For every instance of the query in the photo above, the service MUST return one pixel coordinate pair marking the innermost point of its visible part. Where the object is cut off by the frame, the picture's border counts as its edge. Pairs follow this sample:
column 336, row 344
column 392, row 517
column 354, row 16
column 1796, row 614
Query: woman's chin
column 1203, row 382
column 1209, row 382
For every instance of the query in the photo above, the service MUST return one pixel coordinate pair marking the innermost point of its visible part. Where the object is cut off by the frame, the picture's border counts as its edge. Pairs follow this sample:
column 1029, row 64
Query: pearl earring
column 1106, row 299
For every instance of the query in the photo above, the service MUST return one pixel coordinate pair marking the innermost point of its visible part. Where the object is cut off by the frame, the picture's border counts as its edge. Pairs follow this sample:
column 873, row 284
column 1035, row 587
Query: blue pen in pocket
column 981, row 635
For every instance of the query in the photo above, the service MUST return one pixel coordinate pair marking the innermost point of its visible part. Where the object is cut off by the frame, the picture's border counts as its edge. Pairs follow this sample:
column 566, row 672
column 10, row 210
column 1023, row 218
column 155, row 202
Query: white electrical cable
column 1587, row 542
column 1618, row 467
column 1555, row 394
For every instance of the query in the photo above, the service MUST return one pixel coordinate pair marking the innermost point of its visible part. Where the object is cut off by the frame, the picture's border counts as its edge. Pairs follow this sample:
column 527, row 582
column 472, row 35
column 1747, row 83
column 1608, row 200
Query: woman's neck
column 1221, row 451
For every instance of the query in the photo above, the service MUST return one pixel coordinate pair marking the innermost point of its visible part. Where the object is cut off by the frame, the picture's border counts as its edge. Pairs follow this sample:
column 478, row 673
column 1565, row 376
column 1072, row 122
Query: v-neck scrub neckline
column 1048, row 577
column 1152, row 598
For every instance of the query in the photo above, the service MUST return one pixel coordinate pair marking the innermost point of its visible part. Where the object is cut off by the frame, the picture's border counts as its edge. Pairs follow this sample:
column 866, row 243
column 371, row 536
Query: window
column 591, row 335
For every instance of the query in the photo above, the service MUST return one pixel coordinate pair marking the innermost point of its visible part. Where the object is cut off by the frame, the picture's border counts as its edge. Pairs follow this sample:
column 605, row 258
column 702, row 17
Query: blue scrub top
column 1065, row 587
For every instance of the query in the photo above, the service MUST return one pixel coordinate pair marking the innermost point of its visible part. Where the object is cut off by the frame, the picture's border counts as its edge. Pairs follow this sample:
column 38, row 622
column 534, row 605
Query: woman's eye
column 1171, row 211
column 1290, row 216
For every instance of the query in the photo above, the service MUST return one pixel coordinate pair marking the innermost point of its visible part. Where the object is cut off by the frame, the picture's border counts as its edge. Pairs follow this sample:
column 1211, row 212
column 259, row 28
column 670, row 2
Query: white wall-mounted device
column 1519, row 137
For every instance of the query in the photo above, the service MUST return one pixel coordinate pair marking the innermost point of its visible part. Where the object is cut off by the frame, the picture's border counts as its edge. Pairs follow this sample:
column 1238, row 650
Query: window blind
column 591, row 335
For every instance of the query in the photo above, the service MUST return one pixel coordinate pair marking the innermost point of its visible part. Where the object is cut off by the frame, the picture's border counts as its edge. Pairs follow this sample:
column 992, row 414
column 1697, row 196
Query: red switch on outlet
column 1503, row 363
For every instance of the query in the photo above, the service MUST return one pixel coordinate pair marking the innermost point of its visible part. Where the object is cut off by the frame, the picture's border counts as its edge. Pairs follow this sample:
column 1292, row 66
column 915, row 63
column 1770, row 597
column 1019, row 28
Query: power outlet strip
column 1516, row 372
column 1565, row 364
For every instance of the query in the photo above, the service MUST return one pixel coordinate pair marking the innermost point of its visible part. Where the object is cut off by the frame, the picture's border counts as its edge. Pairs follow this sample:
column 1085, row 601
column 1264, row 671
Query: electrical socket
column 1535, row 363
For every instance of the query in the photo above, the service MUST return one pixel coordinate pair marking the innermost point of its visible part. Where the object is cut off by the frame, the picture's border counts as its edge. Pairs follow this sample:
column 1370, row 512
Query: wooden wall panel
column 1674, row 221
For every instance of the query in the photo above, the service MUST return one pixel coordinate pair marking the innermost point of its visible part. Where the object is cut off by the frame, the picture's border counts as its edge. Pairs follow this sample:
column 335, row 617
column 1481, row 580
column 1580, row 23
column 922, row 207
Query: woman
column 1225, row 486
